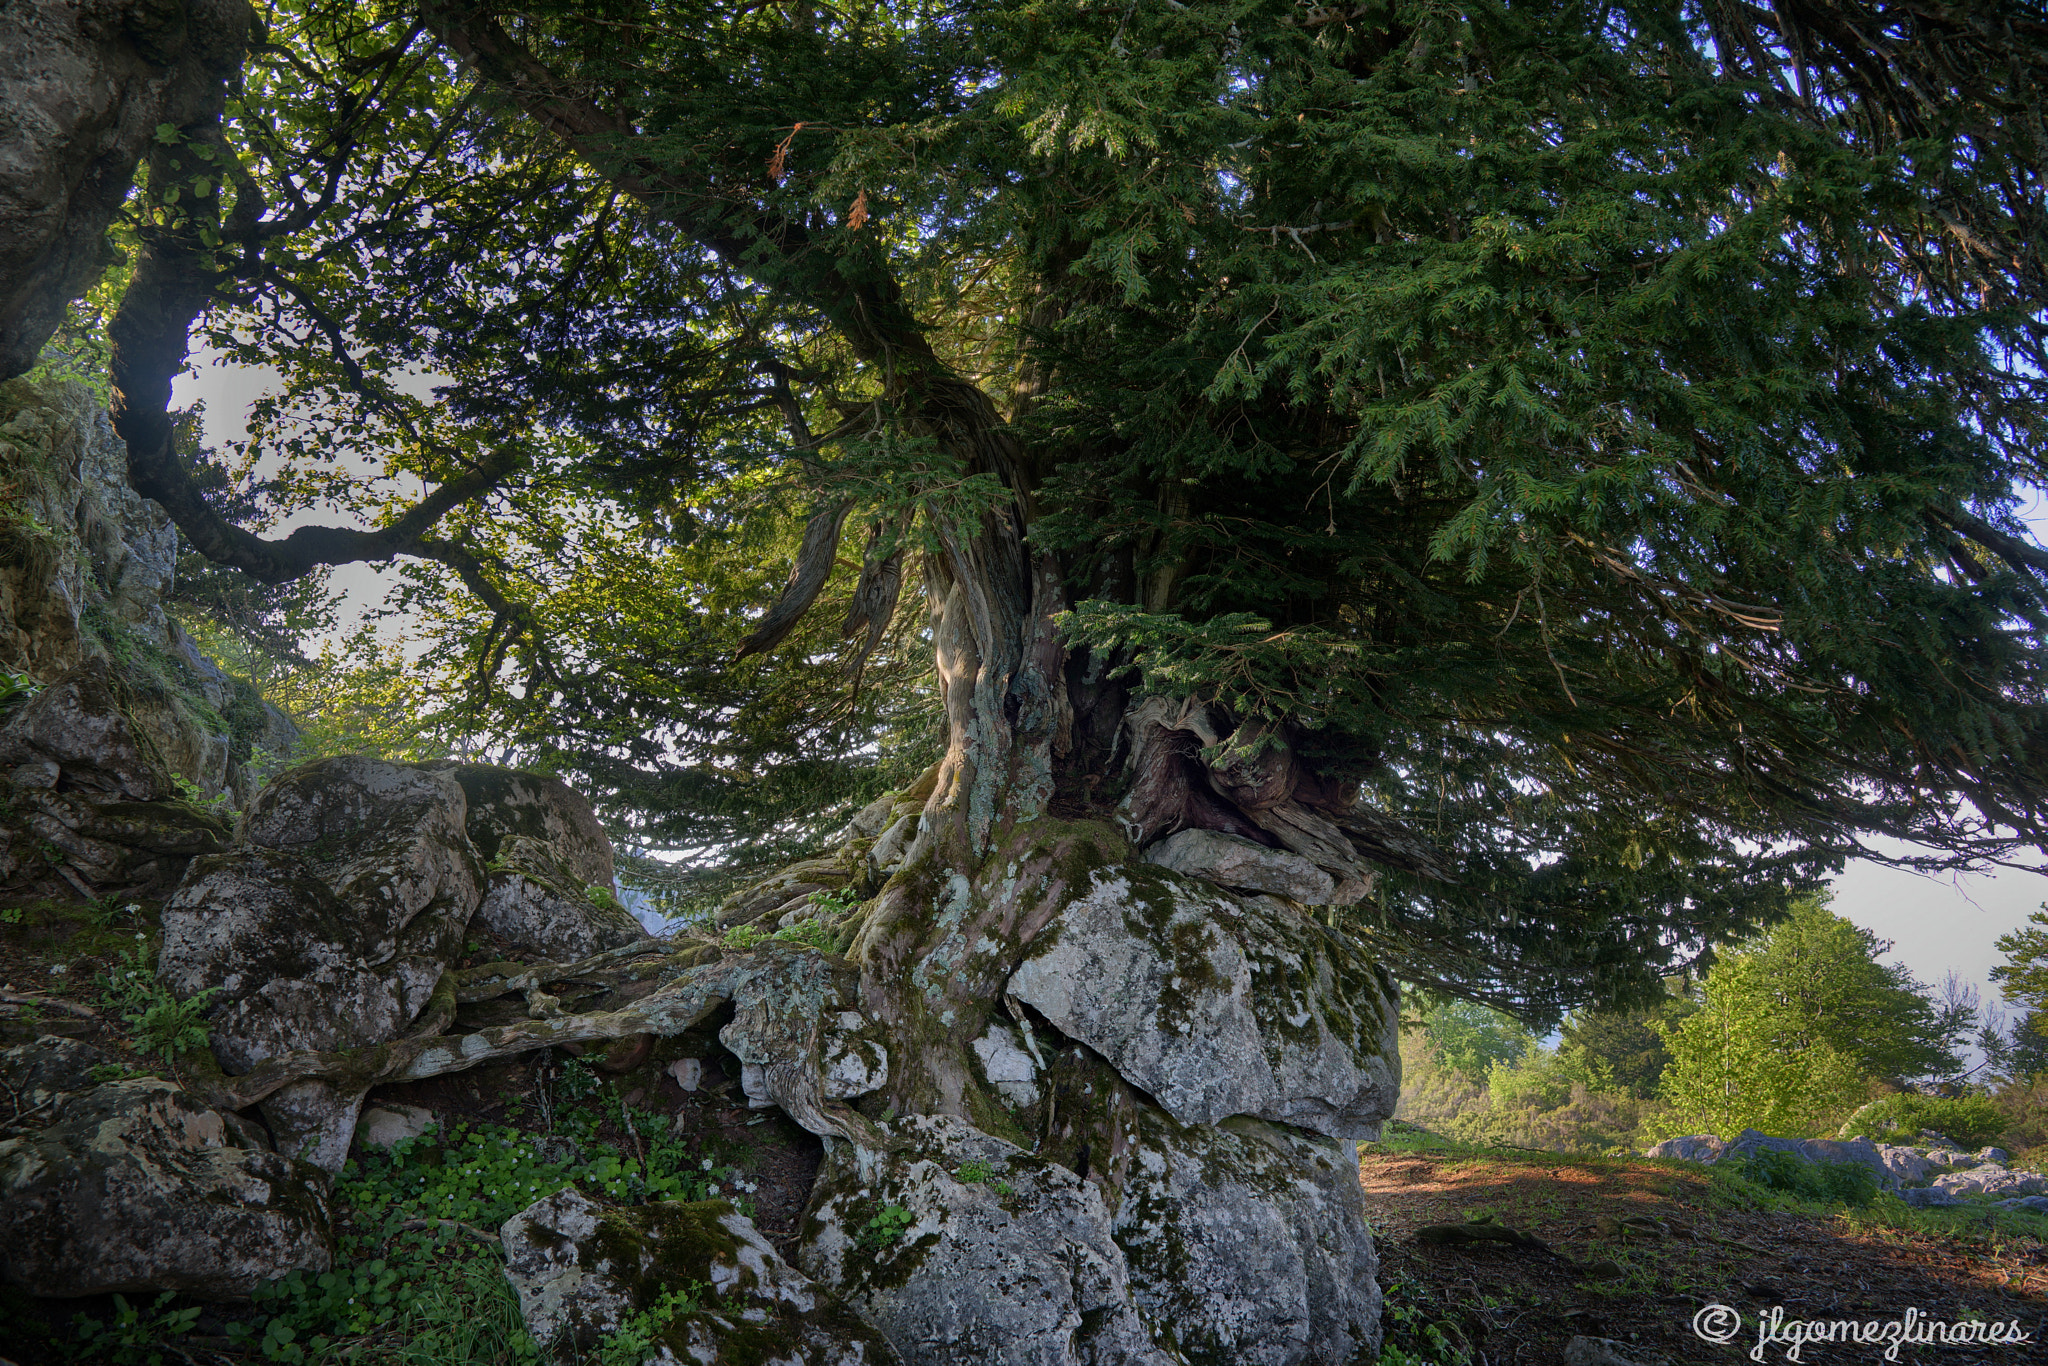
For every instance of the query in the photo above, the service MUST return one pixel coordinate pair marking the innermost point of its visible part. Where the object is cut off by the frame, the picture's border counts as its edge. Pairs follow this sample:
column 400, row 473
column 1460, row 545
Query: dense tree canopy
column 1581, row 440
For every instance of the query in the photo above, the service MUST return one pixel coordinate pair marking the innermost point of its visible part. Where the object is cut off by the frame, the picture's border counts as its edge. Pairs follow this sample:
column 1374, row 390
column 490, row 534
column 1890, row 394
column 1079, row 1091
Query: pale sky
column 1938, row 925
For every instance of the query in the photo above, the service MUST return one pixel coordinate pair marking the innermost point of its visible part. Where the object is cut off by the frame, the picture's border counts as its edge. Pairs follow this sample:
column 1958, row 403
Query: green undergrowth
column 418, row 1276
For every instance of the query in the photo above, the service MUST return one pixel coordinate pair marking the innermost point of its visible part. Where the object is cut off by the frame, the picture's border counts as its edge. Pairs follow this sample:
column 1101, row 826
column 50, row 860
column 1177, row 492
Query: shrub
column 1971, row 1121
column 1849, row 1183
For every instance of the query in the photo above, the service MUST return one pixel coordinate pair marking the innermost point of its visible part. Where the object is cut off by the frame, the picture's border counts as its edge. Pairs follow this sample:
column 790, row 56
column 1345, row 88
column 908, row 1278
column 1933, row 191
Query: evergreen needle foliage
column 1592, row 431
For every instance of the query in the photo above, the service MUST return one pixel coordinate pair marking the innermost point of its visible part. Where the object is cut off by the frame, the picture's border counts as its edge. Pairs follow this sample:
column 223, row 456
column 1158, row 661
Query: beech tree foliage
column 1575, row 446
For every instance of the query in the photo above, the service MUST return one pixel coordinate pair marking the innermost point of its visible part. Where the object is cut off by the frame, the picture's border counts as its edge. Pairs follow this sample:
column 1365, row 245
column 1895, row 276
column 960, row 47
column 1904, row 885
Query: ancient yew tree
column 1551, row 466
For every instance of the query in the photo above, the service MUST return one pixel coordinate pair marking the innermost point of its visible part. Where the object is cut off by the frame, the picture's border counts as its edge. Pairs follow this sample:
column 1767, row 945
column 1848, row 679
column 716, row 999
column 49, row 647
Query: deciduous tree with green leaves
column 1795, row 1029
column 1552, row 465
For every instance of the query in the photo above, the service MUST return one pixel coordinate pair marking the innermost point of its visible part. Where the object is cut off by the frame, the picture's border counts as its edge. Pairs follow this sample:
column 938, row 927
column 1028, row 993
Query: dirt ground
column 1637, row 1249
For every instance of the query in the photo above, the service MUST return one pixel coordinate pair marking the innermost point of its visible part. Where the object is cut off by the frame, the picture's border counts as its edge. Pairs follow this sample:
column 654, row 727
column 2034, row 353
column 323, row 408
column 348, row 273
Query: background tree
column 1551, row 466
column 1796, row 1028
column 1628, row 1047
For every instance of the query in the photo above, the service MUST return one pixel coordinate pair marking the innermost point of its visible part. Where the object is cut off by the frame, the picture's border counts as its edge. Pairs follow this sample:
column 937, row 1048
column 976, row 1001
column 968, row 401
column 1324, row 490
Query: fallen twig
column 50, row 1003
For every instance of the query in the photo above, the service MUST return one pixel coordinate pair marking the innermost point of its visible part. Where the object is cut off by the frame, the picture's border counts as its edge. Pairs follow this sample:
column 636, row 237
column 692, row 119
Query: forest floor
column 1635, row 1251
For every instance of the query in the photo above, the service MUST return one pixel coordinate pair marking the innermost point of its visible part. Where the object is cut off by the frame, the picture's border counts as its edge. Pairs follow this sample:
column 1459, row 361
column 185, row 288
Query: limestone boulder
column 1217, row 1004
column 504, row 803
column 1248, row 1243
column 533, row 902
column 1702, row 1148
column 580, row 1270
column 1234, row 861
column 39, row 1074
column 1907, row 1166
column 137, row 1186
column 963, row 1248
column 327, row 927
column 1991, row 1180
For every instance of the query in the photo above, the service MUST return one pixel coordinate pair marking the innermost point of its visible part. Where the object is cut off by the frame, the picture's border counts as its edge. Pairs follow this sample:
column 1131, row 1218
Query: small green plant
column 134, row 1337
column 11, row 915
column 195, row 795
column 812, row 934
column 602, row 896
column 1971, row 1121
column 886, row 1227
column 742, row 937
column 15, row 689
column 636, row 1339
column 162, row 1024
column 977, row 1172
column 839, row 903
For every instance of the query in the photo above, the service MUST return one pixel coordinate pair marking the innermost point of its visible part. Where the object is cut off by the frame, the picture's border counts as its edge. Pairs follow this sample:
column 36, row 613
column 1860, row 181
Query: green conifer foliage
column 1590, row 432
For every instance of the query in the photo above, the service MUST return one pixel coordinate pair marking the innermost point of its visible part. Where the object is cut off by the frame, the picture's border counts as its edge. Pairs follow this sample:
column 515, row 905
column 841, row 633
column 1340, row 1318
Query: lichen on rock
column 137, row 1186
column 581, row 1270
column 1218, row 1004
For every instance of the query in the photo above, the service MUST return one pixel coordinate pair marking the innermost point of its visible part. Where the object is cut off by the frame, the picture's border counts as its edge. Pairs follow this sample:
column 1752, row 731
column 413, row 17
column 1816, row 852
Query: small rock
column 1584, row 1351
column 688, row 1072
column 1234, row 861
column 1703, row 1148
column 1994, row 1156
column 1008, row 1067
column 1907, row 1166
column 1929, row 1197
column 383, row 1126
column 1990, row 1180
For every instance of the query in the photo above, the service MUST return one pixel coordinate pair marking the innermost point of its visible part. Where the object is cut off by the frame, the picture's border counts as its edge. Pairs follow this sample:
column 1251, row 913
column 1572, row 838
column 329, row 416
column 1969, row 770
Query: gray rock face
column 535, row 903
column 82, row 779
column 1751, row 1142
column 1907, row 1167
column 1248, row 1244
column 1702, row 1148
column 1927, row 1197
column 1991, row 1180
column 1234, row 861
column 2036, row 1204
column 1020, row 1269
column 39, row 1073
column 326, row 928
column 1848, row 1152
column 1219, row 1005
column 137, row 1186
column 504, row 803
column 581, row 1269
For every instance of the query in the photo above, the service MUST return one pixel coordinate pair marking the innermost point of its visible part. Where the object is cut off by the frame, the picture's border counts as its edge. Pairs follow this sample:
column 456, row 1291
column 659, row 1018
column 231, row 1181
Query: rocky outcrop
column 1247, row 1243
column 327, row 927
column 121, row 769
column 581, row 1270
column 86, row 84
column 89, row 804
column 963, row 1248
column 1218, row 1005
column 137, row 1186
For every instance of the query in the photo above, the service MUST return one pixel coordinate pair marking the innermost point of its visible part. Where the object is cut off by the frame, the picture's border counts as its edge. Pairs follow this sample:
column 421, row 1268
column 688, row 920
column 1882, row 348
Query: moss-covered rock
column 139, row 1187
column 504, row 803
column 327, row 927
column 1248, row 1244
column 583, row 1272
column 533, row 902
column 1218, row 1004
column 963, row 1248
